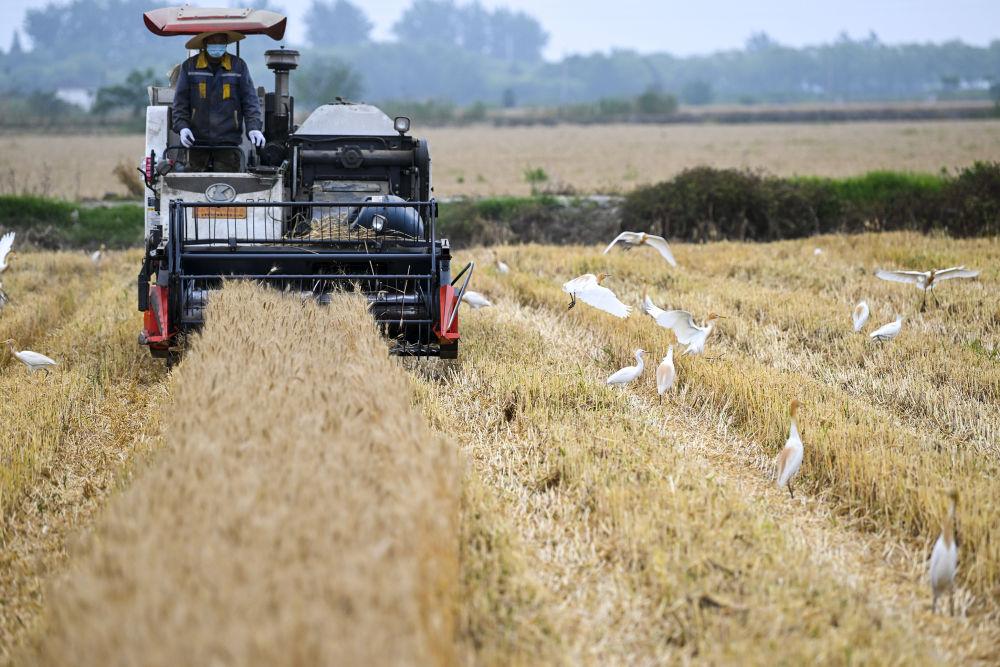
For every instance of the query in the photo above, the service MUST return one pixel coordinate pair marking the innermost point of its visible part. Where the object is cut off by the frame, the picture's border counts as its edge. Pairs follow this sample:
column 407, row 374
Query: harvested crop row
column 301, row 513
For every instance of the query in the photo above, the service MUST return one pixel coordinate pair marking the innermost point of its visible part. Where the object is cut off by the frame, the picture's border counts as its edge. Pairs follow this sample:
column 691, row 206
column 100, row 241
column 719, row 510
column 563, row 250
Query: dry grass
column 886, row 430
column 300, row 513
column 66, row 441
column 608, row 158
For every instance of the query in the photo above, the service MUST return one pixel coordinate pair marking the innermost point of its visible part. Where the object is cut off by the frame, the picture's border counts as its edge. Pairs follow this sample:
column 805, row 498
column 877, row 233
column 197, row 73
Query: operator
column 213, row 98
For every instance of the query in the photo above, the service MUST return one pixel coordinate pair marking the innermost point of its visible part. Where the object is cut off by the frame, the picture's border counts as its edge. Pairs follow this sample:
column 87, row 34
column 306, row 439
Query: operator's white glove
column 256, row 138
column 187, row 138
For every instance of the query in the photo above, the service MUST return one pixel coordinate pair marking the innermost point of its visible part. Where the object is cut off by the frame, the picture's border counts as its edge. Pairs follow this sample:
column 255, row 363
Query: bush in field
column 705, row 203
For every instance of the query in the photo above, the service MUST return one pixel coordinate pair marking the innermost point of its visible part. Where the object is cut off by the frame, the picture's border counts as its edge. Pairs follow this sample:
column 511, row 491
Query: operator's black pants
column 217, row 159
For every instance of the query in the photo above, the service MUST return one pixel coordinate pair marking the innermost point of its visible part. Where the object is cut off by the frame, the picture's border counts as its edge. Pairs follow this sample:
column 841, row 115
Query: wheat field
column 486, row 160
column 544, row 518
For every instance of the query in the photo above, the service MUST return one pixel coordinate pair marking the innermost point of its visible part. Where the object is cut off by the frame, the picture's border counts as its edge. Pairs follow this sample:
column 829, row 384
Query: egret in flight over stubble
column 790, row 458
column 629, row 373
column 588, row 288
column 33, row 360
column 632, row 239
column 681, row 322
column 926, row 281
column 6, row 243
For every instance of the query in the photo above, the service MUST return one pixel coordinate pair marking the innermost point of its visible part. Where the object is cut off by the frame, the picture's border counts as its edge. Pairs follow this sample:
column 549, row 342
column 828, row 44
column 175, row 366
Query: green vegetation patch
column 52, row 223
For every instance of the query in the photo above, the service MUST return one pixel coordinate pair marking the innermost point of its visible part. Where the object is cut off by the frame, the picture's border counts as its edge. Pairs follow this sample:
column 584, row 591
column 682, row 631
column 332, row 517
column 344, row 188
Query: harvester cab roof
column 342, row 200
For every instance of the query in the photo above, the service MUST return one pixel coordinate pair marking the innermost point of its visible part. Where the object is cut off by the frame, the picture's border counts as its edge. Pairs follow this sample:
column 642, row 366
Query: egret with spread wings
column 631, row 239
column 6, row 243
column 588, row 288
column 682, row 323
column 926, row 280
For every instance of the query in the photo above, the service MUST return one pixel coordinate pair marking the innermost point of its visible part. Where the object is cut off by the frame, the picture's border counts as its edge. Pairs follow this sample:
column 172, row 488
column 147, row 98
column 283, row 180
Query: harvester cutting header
column 238, row 190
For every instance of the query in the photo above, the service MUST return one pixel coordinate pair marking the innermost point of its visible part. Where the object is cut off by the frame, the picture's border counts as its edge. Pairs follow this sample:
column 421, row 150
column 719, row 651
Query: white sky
column 682, row 27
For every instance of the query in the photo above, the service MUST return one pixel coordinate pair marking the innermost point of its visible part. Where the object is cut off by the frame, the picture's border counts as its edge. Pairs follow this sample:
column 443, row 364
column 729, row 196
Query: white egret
column 632, row 239
column 790, row 458
column 476, row 300
column 97, row 255
column 944, row 558
column 666, row 373
column 629, row 373
column 33, row 360
column 682, row 324
column 588, row 288
column 6, row 243
column 502, row 266
column 817, row 252
column 926, row 281
column 860, row 316
column 888, row 331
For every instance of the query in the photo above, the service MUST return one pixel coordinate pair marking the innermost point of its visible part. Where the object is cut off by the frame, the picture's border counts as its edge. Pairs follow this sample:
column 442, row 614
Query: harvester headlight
column 401, row 124
column 378, row 223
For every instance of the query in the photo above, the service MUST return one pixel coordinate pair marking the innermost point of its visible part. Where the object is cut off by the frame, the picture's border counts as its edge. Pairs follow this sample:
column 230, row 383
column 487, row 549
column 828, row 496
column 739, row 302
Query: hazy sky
column 683, row 26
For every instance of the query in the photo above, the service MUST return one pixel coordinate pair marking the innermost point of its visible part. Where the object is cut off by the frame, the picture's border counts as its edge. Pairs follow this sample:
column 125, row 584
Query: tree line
column 462, row 53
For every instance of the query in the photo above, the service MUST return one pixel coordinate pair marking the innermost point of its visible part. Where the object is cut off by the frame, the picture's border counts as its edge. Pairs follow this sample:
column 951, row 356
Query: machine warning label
column 215, row 212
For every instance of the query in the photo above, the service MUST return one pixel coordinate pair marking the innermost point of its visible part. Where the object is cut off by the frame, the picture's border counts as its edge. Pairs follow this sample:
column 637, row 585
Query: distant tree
column 16, row 50
column 474, row 28
column 131, row 95
column 429, row 21
column 656, row 103
column 323, row 80
column 337, row 23
column 697, row 92
column 509, row 99
column 516, row 36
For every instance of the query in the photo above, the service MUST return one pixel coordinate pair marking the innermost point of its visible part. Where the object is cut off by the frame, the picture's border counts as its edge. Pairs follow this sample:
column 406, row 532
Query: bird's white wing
column 651, row 308
column 911, row 277
column 578, row 284
column 681, row 323
column 955, row 272
column 604, row 299
column 6, row 243
column 662, row 247
column 35, row 358
column 618, row 238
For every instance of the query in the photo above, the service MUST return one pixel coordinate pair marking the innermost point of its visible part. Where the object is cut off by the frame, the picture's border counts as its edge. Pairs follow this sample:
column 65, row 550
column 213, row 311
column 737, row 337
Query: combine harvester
column 342, row 200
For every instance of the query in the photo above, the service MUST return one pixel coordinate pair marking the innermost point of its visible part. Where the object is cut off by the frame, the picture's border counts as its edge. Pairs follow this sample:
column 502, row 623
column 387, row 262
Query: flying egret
column 632, row 239
column 625, row 375
column 790, row 458
column 925, row 281
column 6, row 243
column 33, row 360
column 666, row 373
column 588, row 288
column 944, row 558
column 888, row 331
column 682, row 324
column 502, row 266
column 476, row 300
column 860, row 316
column 97, row 255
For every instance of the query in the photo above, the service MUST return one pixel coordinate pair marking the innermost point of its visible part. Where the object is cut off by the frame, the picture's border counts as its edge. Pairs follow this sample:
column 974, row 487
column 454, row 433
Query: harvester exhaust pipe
column 281, row 62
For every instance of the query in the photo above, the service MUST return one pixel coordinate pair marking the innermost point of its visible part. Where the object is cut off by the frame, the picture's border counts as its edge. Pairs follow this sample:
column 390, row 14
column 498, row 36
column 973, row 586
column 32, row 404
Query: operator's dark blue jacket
column 215, row 104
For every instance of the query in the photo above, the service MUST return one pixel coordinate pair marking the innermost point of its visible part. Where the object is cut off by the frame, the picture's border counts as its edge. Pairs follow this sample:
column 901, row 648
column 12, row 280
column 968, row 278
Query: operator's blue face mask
column 215, row 50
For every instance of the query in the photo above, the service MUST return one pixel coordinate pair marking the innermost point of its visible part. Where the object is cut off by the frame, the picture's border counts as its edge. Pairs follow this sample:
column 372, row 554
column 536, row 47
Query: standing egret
column 629, row 373
column 97, row 255
column 860, row 316
column 790, row 458
column 817, row 252
column 888, row 331
column 502, row 266
column 925, row 281
column 666, row 373
column 6, row 243
column 33, row 360
column 944, row 558
column 588, row 288
column 632, row 239
column 476, row 300
column 682, row 324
